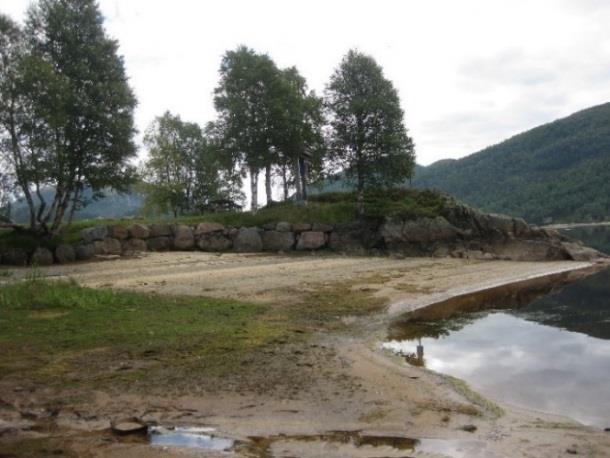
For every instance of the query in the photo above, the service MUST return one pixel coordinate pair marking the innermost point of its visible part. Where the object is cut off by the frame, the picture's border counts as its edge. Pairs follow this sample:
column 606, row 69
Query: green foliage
column 183, row 173
column 368, row 140
column 67, row 117
column 559, row 171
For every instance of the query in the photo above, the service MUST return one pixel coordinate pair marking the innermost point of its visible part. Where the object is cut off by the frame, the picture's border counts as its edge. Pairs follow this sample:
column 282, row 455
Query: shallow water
column 552, row 355
column 188, row 437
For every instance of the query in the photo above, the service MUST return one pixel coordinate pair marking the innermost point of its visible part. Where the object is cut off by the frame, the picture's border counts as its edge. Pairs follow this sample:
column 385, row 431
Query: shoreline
column 346, row 382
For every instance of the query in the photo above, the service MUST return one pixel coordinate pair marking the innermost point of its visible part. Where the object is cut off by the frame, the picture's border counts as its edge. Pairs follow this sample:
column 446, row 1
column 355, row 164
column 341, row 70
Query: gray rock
column 160, row 230
column 277, row 241
column 420, row 230
column 41, row 257
column 134, row 246
column 159, row 244
column 520, row 227
column 311, row 240
column 301, row 227
column 214, row 241
column 118, row 232
column 183, row 237
column 529, row 250
column 283, row 226
column 579, row 252
column 15, row 257
column 322, row 227
column 247, row 240
column 354, row 238
column 207, row 228
column 91, row 234
column 65, row 254
column 85, row 251
column 108, row 246
column 139, row 231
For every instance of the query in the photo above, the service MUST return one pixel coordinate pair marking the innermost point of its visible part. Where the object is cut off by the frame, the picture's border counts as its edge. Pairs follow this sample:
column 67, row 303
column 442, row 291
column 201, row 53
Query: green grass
column 47, row 329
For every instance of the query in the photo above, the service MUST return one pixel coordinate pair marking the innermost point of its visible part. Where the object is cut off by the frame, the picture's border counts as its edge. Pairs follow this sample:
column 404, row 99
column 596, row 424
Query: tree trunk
column 303, row 179
column 268, row 189
column 285, row 181
column 254, row 189
column 297, row 181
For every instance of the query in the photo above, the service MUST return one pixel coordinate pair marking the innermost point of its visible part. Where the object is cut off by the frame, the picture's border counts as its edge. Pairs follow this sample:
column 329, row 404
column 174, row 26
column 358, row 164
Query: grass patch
column 48, row 328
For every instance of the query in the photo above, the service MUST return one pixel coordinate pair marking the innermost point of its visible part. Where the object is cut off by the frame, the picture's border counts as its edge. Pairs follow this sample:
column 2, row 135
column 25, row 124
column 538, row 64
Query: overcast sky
column 469, row 73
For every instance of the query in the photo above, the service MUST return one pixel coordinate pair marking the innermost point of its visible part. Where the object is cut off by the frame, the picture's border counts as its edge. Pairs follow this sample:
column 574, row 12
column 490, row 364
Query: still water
column 552, row 354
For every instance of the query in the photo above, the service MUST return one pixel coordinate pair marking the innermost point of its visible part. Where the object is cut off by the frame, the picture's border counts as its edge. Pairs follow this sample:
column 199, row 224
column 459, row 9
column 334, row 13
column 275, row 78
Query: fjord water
column 552, row 354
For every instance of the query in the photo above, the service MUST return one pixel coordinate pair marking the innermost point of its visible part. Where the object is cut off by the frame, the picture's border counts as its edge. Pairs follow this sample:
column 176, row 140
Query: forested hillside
column 559, row 170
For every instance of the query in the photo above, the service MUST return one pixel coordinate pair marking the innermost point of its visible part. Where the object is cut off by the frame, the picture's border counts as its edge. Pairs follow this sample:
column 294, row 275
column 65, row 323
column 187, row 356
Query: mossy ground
column 59, row 333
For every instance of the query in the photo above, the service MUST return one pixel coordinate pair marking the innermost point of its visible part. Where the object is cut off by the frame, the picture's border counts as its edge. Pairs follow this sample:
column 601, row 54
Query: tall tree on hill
column 368, row 139
column 67, row 122
column 246, row 103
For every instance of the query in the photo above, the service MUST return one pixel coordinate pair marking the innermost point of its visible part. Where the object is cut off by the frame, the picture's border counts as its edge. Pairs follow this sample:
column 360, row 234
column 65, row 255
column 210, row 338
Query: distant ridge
column 555, row 172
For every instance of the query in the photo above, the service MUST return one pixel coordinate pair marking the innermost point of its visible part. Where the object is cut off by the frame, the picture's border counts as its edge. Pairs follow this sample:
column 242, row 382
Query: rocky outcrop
column 92, row 234
column 134, row 245
column 15, row 257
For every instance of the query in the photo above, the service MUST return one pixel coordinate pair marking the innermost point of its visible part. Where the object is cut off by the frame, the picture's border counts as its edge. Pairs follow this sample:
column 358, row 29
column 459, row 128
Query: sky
column 469, row 73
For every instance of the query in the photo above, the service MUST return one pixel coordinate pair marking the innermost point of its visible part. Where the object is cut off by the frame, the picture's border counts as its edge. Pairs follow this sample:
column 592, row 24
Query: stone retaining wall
column 459, row 232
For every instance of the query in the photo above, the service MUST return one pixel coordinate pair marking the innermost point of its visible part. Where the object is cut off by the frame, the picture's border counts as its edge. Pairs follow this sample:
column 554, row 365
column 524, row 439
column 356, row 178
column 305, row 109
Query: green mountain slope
column 559, row 170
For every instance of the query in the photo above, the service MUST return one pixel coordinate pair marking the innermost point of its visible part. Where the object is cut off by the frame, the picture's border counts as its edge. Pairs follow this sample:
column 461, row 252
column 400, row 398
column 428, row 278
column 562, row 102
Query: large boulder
column 214, row 241
column 277, row 240
column 41, row 257
column 91, row 234
column 208, row 228
column 311, row 240
column 139, row 231
column 301, row 227
column 283, row 226
column 421, row 230
column 160, row 230
column 322, row 227
column 118, row 232
column 65, row 253
column 579, row 252
column 134, row 246
column 357, row 237
column 159, row 244
column 84, row 251
column 15, row 257
column 108, row 246
column 183, row 237
column 248, row 240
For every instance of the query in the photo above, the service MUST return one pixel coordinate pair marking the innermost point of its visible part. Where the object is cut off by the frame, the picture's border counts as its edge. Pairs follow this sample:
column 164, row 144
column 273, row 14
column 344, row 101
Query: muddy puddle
column 189, row 437
column 334, row 444
column 549, row 353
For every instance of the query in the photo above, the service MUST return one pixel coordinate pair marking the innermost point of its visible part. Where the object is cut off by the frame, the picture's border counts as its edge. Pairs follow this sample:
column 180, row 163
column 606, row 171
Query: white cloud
column 469, row 73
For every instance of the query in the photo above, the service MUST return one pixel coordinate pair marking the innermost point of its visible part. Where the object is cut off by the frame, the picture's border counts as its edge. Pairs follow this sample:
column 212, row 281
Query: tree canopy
column 368, row 139
column 66, row 116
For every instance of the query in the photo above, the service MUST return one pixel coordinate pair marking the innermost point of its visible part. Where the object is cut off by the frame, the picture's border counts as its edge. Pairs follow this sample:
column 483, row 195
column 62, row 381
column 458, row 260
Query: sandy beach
column 312, row 398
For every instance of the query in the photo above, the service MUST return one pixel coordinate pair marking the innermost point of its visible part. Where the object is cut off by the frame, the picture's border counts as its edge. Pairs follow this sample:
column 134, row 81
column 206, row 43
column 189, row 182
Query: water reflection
column 552, row 354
